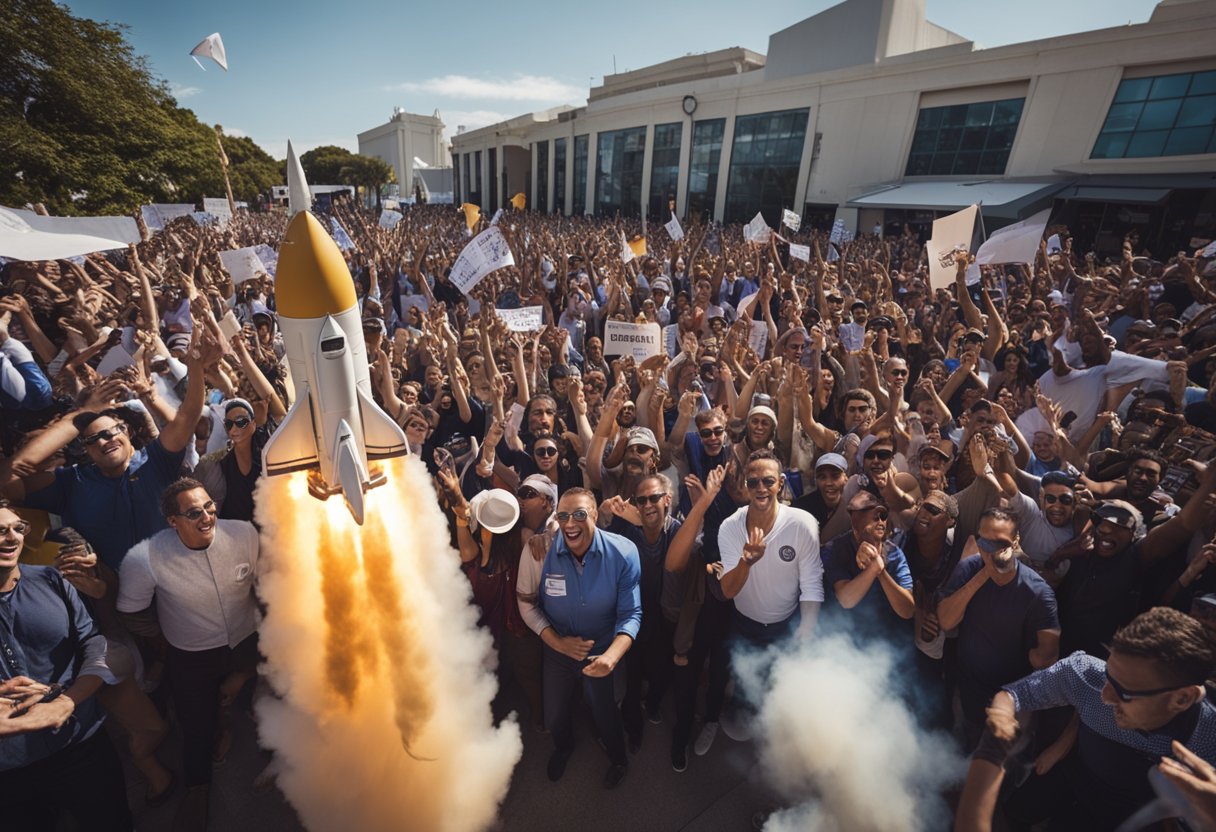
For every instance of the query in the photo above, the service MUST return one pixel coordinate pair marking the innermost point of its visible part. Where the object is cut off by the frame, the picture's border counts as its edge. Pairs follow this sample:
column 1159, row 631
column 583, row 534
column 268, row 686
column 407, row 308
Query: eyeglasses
column 899, row 373
column 882, row 454
column 1126, row 695
column 195, row 513
column 579, row 516
column 1062, row 499
column 105, row 435
column 238, row 422
column 756, row 482
column 545, row 451
column 933, row 508
column 19, row 529
column 993, row 546
column 648, row 499
column 526, row 493
column 707, row 433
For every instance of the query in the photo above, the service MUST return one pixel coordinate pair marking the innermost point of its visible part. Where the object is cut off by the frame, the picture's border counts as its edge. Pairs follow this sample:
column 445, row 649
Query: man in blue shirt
column 53, row 753
column 590, row 597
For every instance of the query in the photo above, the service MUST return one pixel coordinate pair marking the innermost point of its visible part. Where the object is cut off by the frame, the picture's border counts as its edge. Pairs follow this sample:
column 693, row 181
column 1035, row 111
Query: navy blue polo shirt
column 873, row 616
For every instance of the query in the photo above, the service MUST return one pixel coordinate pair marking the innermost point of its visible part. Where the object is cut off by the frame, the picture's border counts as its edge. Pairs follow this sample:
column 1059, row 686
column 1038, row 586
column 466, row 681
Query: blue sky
column 322, row 77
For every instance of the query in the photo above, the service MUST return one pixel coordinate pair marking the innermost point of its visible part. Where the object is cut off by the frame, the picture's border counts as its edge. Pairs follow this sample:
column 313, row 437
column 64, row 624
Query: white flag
column 389, row 219
column 951, row 237
column 790, row 220
column 757, row 231
column 674, row 229
column 212, row 47
column 1017, row 243
column 626, row 252
column 25, row 235
column 299, row 198
column 487, row 252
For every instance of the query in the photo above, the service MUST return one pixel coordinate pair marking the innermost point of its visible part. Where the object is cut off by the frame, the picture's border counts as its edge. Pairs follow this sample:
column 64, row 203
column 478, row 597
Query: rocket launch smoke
column 839, row 744
column 383, row 680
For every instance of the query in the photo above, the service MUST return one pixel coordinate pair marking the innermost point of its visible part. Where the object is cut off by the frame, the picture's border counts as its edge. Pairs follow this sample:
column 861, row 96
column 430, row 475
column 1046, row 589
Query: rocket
column 335, row 429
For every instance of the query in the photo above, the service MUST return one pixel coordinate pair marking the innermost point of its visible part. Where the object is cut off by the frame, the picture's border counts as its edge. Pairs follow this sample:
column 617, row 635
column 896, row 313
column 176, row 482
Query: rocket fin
column 382, row 437
column 350, row 472
column 293, row 447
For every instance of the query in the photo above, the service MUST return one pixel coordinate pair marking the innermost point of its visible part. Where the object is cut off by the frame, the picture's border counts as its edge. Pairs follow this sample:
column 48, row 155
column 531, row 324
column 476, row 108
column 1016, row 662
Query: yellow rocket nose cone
column 311, row 279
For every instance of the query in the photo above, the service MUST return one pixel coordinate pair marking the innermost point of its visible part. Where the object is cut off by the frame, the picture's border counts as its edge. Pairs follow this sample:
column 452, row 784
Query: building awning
column 997, row 197
column 1135, row 196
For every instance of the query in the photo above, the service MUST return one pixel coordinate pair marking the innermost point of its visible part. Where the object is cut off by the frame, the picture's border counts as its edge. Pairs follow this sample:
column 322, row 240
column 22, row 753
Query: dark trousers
column 194, row 683
column 648, row 659
column 522, row 654
column 563, row 676
column 709, row 642
column 1068, row 799
column 749, row 634
column 85, row 780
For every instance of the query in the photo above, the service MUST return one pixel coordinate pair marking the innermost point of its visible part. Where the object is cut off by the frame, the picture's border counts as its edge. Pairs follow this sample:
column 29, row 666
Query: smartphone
column 444, row 460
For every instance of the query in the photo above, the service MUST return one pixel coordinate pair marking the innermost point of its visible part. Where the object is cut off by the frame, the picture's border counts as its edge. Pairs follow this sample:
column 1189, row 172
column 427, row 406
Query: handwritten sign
column 757, row 231
column 639, row 340
column 674, row 229
column 486, row 253
column 526, row 319
column 791, row 220
column 757, row 339
column 802, row 253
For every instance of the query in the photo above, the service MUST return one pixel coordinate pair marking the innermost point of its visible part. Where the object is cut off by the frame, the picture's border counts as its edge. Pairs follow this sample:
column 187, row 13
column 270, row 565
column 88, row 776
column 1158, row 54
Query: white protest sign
column 157, row 216
column 1209, row 250
column 951, row 238
column 389, row 219
column 757, row 231
column 671, row 339
column 487, row 252
column 268, row 256
column 802, row 253
column 116, row 358
column 852, row 337
column 242, row 264
column 1054, row 246
column 1017, row 243
column 674, row 229
column 497, row 217
column 218, row 208
column 626, row 251
column 525, row 319
column 229, row 326
column 25, row 235
column 790, row 220
column 838, row 232
column 757, row 339
column 639, row 340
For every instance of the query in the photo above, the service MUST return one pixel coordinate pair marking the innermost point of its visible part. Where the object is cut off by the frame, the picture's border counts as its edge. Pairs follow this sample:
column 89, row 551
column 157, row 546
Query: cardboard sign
column 951, row 239
column 526, row 319
column 790, row 220
column 242, row 264
column 802, row 253
column 486, row 253
column 639, row 340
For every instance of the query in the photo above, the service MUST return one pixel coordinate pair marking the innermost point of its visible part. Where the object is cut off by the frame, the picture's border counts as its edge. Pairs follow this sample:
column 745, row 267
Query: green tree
column 323, row 165
column 250, row 168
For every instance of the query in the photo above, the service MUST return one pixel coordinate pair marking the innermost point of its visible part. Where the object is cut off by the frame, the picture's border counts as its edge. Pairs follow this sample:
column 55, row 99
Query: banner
column 25, row 235
column 525, row 319
column 242, row 264
column 219, row 209
column 757, row 231
column 1017, row 243
column 790, row 220
column 156, row 217
column 802, row 253
column 340, row 236
column 838, row 232
column 674, row 229
column 487, row 252
column 639, row 340
column 951, row 237
column 389, row 219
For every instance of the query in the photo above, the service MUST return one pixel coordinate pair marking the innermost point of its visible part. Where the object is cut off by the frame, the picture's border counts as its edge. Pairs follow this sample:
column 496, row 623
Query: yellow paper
column 472, row 214
column 638, row 246
column 519, row 201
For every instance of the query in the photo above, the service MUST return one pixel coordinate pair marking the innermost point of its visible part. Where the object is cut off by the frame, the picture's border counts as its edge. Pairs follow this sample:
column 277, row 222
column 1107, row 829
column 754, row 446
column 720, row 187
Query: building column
column 647, row 169
column 551, row 168
column 728, row 143
column 593, row 152
column 532, row 176
column 568, row 195
column 685, row 171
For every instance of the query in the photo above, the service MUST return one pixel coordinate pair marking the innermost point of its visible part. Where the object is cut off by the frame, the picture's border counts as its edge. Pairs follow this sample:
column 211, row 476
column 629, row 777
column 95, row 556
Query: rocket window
column 333, row 345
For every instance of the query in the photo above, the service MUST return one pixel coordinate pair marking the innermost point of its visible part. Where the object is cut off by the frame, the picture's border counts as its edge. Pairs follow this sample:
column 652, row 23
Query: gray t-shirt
column 1040, row 539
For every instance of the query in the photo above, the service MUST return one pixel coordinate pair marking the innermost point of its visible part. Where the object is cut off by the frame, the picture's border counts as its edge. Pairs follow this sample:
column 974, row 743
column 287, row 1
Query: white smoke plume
column 383, row 682
column 839, row 745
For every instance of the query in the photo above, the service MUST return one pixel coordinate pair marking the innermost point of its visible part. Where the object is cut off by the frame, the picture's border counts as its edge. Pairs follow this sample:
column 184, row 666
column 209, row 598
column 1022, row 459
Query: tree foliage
column 85, row 128
column 332, row 165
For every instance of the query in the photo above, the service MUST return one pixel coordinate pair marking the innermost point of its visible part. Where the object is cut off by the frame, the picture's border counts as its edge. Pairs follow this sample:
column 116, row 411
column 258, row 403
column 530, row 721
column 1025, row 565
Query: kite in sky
column 212, row 47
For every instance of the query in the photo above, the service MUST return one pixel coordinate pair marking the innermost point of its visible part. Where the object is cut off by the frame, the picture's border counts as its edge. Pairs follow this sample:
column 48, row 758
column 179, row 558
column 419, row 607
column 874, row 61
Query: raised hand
column 754, row 548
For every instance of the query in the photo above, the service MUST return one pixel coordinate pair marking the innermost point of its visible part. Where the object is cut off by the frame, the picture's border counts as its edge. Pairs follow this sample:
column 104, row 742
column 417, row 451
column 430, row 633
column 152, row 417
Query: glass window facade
column 1169, row 115
column 764, row 162
column 706, row 159
column 964, row 139
column 493, row 178
column 664, row 169
column 542, row 177
column 468, row 176
column 618, row 172
column 559, row 175
column 477, row 177
column 581, row 147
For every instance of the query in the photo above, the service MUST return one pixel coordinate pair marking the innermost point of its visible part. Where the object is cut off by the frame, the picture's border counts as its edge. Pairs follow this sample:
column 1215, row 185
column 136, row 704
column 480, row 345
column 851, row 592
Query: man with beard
column 593, row 361
column 1005, row 614
column 830, row 478
column 859, row 409
column 641, row 454
column 897, row 490
column 646, row 520
column 1050, row 523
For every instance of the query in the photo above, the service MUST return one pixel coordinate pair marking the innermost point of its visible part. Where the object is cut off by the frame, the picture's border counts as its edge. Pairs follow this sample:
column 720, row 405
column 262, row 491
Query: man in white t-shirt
column 200, row 574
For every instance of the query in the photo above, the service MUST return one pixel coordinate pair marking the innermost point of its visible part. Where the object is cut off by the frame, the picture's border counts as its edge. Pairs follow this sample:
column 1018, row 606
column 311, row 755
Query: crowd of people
column 1006, row 484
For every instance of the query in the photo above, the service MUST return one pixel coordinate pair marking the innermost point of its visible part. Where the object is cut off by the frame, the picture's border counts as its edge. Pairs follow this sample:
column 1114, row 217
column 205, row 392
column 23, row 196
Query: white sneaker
column 740, row 727
column 705, row 739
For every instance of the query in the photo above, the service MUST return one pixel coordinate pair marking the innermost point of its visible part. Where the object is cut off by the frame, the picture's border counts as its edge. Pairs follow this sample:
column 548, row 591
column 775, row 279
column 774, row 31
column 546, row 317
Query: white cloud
column 471, row 119
column 182, row 91
column 519, row 88
column 236, row 132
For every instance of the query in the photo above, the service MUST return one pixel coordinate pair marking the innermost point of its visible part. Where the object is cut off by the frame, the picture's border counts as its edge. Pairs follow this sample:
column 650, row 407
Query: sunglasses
column 933, row 508
column 545, row 451
column 526, row 493
column 883, row 455
column 648, row 499
column 21, row 528
column 105, row 435
column 196, row 513
column 238, row 422
column 565, row 516
column 1062, row 499
column 1126, row 695
column 707, row 433
column 899, row 373
column 879, row 512
column 756, row 482
column 993, row 546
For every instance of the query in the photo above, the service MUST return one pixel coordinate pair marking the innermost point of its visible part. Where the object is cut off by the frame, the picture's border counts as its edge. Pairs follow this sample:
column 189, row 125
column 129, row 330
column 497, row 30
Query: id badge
column 555, row 586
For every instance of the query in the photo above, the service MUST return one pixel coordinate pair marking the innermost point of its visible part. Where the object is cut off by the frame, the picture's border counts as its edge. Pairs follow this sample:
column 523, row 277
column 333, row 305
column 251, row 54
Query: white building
column 869, row 112
column 406, row 140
